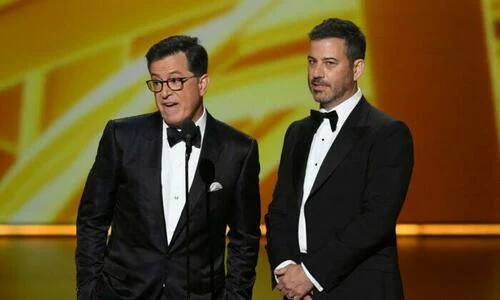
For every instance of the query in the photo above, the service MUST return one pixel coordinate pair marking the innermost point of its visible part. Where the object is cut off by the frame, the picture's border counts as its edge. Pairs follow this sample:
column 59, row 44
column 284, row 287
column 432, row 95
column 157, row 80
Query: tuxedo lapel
column 151, row 156
column 300, row 154
column 210, row 150
column 352, row 130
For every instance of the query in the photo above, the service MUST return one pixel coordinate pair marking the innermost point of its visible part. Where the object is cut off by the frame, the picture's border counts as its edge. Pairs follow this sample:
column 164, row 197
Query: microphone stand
column 186, row 169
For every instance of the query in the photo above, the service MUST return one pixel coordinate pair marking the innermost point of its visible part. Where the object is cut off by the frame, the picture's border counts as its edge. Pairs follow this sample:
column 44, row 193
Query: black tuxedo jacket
column 352, row 209
column 123, row 190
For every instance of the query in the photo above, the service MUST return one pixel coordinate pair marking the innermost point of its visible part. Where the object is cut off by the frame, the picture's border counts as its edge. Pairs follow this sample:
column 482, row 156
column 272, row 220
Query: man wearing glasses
column 137, row 186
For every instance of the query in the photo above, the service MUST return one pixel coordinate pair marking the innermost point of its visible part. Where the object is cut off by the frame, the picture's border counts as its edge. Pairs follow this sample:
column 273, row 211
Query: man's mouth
column 170, row 104
column 318, row 84
column 317, row 87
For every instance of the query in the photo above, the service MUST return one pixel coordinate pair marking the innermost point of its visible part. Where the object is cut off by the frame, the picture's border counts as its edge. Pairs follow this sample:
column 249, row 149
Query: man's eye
column 175, row 80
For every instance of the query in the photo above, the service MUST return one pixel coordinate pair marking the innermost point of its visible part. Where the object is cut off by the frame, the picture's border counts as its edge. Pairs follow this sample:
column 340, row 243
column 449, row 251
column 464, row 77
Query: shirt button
column 163, row 285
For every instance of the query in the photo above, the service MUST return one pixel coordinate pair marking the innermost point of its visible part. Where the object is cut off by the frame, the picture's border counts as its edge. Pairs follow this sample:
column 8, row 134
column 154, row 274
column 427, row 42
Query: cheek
column 338, row 77
column 190, row 99
column 157, row 98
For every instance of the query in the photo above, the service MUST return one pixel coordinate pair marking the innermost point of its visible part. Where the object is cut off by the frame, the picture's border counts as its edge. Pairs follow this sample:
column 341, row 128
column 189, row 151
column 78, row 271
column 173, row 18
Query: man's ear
column 203, row 82
column 358, row 68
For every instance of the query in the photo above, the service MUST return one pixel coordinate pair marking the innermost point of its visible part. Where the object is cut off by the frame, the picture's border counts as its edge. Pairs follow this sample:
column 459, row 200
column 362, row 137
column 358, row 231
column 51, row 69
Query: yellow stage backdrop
column 66, row 67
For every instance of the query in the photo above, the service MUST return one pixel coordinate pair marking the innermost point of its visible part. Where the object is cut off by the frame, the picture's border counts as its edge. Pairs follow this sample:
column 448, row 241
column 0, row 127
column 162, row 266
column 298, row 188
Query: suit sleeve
column 95, row 213
column 244, row 229
column 387, row 179
column 279, row 242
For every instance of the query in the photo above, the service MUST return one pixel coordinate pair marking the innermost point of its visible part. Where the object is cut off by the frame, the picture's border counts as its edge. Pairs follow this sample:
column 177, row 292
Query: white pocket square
column 215, row 186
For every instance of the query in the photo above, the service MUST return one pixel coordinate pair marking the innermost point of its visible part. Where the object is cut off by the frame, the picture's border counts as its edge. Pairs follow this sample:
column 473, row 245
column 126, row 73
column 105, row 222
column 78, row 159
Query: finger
column 300, row 292
column 295, row 294
column 280, row 272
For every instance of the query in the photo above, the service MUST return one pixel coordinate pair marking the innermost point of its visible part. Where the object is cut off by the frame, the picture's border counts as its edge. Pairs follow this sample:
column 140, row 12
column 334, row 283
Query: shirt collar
column 201, row 122
column 345, row 108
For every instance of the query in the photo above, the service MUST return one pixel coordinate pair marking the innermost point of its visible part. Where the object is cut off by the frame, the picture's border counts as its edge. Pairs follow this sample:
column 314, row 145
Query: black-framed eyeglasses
column 174, row 84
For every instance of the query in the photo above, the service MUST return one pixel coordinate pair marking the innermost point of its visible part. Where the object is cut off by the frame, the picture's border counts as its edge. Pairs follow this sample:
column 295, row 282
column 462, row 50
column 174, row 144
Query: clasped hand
column 294, row 283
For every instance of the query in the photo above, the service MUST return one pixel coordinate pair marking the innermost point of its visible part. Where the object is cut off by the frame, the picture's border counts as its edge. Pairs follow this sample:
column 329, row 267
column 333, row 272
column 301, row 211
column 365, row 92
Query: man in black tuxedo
column 342, row 181
column 137, row 186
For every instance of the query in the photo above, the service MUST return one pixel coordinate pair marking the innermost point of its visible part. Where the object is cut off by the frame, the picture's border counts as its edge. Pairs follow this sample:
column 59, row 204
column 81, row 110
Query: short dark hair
column 344, row 29
column 196, row 54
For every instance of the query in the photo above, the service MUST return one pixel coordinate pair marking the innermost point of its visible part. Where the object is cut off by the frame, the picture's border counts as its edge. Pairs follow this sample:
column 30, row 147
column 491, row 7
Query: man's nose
column 165, row 91
column 316, row 71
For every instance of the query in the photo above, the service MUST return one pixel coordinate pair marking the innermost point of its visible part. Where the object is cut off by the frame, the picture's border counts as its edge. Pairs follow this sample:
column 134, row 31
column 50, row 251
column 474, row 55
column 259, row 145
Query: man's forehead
column 325, row 48
column 327, row 43
column 170, row 64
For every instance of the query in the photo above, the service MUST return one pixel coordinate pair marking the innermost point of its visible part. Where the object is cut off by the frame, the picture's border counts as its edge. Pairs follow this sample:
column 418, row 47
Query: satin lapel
column 151, row 153
column 354, row 128
column 209, row 156
column 300, row 155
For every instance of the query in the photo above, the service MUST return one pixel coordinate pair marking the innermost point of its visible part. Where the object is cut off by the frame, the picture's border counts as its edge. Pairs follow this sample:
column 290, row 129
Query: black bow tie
column 174, row 136
column 318, row 117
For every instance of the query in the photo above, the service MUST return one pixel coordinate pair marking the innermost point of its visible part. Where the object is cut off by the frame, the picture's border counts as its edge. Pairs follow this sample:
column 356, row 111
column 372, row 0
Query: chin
column 173, row 121
column 320, row 100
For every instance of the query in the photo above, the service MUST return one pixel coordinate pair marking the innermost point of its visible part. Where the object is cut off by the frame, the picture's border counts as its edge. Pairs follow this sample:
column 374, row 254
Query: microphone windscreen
column 188, row 130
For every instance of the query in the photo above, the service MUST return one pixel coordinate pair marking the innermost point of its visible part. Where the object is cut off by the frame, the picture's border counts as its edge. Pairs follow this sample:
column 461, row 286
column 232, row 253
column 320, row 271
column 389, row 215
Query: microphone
column 188, row 131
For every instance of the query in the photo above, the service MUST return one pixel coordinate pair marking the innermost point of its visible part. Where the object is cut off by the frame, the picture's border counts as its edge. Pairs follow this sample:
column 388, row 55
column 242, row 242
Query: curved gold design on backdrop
column 434, row 73
column 68, row 68
column 85, row 65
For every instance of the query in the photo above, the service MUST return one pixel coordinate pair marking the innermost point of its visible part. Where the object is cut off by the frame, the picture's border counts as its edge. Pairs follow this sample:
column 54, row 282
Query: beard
column 325, row 94
column 329, row 95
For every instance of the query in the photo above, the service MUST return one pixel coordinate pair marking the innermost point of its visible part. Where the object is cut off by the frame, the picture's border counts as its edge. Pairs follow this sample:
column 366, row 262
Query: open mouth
column 170, row 104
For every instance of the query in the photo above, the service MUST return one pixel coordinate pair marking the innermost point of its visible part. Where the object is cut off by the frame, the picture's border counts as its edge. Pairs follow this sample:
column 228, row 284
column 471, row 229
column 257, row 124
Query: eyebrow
column 329, row 58
column 171, row 73
column 324, row 58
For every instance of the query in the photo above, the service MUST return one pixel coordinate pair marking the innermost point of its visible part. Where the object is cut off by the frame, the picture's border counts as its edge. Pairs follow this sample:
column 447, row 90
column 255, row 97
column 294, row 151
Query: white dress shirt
column 173, row 175
column 320, row 145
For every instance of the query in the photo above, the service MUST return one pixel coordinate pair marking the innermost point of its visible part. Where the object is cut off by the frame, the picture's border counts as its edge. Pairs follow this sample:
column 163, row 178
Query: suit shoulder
column 377, row 116
column 381, row 121
column 133, row 126
column 233, row 133
column 298, row 123
column 380, row 118
column 136, row 120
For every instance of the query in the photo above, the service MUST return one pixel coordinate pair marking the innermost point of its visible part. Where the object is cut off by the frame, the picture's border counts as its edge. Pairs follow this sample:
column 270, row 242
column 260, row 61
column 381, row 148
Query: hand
column 294, row 283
